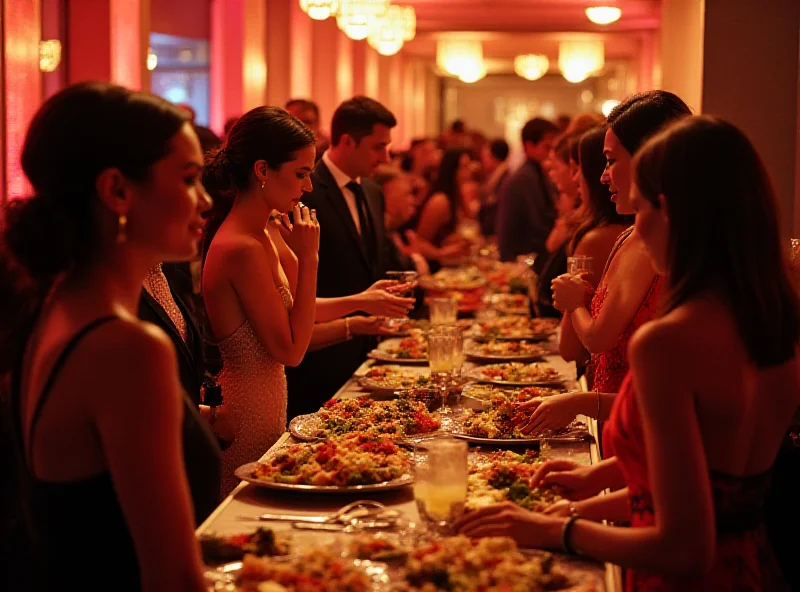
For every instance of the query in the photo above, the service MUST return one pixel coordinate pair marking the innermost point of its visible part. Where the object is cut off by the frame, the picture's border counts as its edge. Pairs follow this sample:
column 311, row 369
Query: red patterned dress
column 744, row 560
column 607, row 369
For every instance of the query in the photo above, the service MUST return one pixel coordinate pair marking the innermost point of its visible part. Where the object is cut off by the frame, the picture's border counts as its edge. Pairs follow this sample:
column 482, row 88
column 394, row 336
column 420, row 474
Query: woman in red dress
column 627, row 293
column 713, row 385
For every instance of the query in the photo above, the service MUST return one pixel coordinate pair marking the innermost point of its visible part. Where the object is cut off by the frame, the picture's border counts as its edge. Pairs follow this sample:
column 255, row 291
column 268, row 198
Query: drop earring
column 122, row 225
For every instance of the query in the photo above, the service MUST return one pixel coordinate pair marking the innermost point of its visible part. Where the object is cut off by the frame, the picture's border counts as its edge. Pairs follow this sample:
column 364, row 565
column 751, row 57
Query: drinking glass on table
column 440, row 358
column 440, row 483
column 443, row 311
column 458, row 345
column 579, row 264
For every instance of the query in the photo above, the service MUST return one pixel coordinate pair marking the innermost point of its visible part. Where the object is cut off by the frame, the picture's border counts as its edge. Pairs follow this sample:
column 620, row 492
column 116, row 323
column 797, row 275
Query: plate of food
column 510, row 304
column 398, row 418
column 319, row 570
column 513, row 327
column 504, row 351
column 460, row 278
column 460, row 564
column 503, row 476
column 480, row 395
column 408, row 350
column 497, row 425
column 219, row 549
column 347, row 464
column 517, row 374
column 405, row 327
column 389, row 379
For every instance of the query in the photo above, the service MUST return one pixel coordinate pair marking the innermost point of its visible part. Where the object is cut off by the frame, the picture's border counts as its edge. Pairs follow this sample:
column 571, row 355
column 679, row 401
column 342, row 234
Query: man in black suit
column 352, row 252
column 526, row 209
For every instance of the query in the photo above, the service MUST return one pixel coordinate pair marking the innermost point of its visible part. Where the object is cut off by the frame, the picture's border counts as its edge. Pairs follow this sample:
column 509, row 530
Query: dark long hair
column 76, row 135
column 599, row 207
column 447, row 177
column 264, row 133
column 723, row 230
column 641, row 115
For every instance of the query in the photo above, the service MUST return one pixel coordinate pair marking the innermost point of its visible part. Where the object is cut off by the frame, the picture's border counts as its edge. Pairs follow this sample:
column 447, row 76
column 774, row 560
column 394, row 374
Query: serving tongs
column 362, row 514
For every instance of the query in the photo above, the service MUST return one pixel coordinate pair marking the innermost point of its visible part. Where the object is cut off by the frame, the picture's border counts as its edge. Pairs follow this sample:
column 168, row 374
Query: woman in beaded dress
column 259, row 278
column 256, row 321
column 713, row 384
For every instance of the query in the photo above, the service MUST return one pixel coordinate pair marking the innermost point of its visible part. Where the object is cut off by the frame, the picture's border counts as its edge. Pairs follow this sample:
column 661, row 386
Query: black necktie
column 367, row 234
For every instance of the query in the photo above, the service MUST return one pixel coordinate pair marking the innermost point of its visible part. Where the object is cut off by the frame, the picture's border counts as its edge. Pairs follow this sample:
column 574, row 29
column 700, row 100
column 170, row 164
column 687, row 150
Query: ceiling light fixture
column 319, row 10
column 603, row 15
column 531, row 66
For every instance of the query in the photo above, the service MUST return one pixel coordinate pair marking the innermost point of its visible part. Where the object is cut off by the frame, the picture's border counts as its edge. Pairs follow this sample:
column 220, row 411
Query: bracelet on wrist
column 565, row 532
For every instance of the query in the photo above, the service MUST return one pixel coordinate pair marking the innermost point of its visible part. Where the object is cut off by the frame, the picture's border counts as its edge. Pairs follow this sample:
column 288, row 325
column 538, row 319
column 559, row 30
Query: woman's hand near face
column 303, row 235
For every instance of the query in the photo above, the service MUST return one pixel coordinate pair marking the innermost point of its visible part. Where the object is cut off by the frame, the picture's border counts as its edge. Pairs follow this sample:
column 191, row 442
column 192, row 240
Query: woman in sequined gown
column 256, row 321
column 713, row 384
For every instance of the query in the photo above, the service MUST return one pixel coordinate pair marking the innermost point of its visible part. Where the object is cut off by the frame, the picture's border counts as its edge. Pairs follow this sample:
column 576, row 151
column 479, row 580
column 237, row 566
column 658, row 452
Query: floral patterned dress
column 744, row 560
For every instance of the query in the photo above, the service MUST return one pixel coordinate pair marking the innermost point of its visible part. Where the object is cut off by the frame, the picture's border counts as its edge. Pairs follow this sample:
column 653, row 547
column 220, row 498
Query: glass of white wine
column 441, row 346
column 440, row 483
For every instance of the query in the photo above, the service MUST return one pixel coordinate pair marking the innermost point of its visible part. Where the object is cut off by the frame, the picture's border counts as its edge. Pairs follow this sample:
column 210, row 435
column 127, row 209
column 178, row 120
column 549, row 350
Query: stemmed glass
column 440, row 483
column 441, row 346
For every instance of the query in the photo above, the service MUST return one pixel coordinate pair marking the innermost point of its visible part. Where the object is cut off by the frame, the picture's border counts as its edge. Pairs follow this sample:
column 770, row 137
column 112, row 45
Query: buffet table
column 237, row 512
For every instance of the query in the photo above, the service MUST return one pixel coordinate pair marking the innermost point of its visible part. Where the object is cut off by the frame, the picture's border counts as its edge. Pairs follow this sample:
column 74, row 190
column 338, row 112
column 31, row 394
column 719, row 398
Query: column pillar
column 344, row 67
column 238, row 63
column 116, row 50
column 682, row 49
column 751, row 60
column 371, row 73
column 279, row 50
column 324, row 65
column 22, row 89
column 300, row 58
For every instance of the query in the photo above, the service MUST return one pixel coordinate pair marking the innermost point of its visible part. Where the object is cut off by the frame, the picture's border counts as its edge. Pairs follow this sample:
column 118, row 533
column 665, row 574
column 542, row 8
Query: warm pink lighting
column 126, row 43
column 23, row 85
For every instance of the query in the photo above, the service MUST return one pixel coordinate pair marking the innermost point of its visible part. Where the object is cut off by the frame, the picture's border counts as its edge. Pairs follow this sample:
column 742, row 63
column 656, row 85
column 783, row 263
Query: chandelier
column 386, row 35
column 409, row 22
column 531, row 66
column 319, row 10
column 577, row 60
column 49, row 55
column 357, row 17
column 463, row 59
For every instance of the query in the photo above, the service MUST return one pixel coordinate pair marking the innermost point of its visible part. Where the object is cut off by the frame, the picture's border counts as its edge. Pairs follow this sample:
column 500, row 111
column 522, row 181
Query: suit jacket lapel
column 169, row 326
column 337, row 201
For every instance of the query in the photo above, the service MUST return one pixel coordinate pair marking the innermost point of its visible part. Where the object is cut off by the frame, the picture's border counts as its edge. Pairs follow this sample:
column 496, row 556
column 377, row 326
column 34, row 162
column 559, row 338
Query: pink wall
column 88, row 56
column 22, row 84
column 183, row 18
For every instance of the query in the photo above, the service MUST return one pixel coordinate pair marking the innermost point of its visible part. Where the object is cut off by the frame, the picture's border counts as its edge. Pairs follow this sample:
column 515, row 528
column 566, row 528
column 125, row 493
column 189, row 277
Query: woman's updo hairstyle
column 264, row 133
column 76, row 135
column 641, row 115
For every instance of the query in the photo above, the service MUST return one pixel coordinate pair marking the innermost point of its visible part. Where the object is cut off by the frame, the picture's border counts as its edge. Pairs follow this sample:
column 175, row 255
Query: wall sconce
column 49, row 55
column 152, row 59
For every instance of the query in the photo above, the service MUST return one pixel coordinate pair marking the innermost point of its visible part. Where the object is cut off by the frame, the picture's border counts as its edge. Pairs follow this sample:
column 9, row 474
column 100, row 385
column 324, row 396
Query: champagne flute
column 440, row 483
column 440, row 358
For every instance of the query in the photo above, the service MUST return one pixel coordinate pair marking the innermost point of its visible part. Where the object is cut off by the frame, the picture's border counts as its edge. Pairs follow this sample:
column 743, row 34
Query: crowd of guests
column 686, row 327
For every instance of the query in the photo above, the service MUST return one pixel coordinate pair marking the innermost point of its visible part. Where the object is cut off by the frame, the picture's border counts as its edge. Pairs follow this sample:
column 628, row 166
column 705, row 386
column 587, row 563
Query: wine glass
column 440, row 358
column 440, row 483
